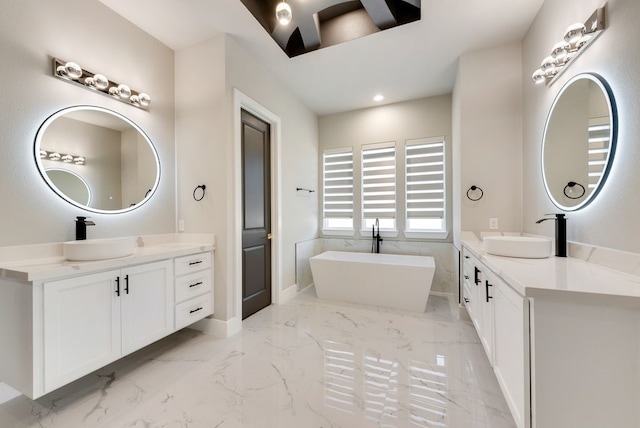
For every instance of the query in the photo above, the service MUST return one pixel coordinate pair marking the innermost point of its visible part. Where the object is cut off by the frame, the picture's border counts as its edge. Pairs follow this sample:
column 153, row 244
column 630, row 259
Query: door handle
column 269, row 236
column 487, row 292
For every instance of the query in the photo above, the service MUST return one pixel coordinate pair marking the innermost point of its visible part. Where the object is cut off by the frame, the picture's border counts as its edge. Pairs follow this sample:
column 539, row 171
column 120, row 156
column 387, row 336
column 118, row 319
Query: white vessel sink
column 518, row 246
column 98, row 249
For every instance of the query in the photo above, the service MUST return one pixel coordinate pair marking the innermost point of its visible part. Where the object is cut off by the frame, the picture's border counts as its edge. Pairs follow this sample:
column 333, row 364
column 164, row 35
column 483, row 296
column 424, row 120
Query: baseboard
column 218, row 328
column 288, row 294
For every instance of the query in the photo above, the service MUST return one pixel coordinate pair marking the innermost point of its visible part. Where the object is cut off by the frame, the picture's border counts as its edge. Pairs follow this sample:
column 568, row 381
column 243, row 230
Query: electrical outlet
column 180, row 225
column 493, row 223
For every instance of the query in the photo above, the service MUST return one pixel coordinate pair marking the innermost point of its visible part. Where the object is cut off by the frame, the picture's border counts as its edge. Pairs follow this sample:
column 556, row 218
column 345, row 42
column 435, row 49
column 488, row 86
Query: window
column 379, row 185
column 337, row 189
column 425, row 180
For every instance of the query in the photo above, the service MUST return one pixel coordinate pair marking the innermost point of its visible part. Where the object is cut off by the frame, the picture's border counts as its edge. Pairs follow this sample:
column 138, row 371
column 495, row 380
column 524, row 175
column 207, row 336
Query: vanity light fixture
column 55, row 156
column 576, row 39
column 73, row 73
column 283, row 13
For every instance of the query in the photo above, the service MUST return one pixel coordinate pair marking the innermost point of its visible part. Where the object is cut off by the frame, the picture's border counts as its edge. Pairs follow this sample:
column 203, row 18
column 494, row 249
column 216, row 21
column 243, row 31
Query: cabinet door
column 81, row 327
column 486, row 296
column 511, row 356
column 147, row 304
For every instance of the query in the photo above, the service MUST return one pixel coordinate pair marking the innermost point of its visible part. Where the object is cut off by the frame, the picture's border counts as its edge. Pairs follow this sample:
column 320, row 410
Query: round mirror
column 579, row 142
column 97, row 159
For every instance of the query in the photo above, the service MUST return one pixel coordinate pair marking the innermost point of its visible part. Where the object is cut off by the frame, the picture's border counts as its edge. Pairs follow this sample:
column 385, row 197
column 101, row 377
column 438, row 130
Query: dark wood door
column 256, row 212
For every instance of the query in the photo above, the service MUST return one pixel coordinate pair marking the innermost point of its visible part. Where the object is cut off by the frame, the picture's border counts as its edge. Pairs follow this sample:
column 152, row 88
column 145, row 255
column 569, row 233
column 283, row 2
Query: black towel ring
column 570, row 185
column 202, row 186
column 473, row 189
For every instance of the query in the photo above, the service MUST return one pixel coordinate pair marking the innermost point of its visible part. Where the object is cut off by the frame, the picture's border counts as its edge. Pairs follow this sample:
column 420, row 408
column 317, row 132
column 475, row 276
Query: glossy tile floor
column 306, row 364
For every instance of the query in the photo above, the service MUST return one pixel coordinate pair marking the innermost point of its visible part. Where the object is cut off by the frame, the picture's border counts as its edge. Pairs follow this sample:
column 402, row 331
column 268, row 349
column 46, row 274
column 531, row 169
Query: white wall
column 31, row 33
column 488, row 139
column 206, row 75
column 426, row 117
column 611, row 220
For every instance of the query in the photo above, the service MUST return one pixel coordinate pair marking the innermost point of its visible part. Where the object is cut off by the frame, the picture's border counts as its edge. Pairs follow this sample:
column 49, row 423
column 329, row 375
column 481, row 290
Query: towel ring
column 202, row 187
column 473, row 189
column 570, row 185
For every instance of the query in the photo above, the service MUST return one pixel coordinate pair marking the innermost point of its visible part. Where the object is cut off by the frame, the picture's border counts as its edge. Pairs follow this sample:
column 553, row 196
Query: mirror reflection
column 97, row 159
column 579, row 142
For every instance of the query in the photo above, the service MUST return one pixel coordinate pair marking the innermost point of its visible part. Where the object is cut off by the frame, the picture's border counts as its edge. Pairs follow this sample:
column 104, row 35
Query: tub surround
column 562, row 335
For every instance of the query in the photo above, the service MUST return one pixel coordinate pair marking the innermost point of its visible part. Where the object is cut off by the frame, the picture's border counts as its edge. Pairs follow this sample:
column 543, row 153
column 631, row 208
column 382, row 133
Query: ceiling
column 411, row 61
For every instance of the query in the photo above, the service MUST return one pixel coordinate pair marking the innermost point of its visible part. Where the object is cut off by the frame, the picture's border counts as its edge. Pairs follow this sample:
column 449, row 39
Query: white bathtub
column 395, row 281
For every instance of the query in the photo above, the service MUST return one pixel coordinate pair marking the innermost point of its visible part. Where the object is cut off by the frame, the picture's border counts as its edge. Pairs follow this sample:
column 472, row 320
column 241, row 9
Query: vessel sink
column 98, row 249
column 518, row 246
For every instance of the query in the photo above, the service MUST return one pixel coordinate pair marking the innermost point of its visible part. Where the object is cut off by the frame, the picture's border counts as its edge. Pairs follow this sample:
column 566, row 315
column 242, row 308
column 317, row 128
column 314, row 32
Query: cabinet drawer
column 192, row 263
column 193, row 310
column 192, row 285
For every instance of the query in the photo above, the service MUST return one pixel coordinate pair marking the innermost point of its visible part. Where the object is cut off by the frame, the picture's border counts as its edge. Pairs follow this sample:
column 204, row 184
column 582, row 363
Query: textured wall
column 612, row 219
column 31, row 33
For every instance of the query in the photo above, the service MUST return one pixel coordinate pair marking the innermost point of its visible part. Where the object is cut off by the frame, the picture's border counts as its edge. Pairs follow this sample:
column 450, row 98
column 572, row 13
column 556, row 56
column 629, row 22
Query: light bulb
column 43, row 154
column 144, row 99
column 135, row 99
column 574, row 33
column 548, row 64
column 79, row 160
column 67, row 158
column 283, row 13
column 124, row 91
column 100, row 81
column 54, row 156
column 538, row 76
column 560, row 50
column 378, row 97
column 73, row 70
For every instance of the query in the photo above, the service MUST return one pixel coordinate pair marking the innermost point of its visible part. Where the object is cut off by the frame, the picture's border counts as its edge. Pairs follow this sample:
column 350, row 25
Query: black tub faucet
column 81, row 227
column 561, row 233
column 376, row 238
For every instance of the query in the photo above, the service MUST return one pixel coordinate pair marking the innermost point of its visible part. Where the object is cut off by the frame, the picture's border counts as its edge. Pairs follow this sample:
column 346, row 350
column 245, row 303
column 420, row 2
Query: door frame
column 244, row 102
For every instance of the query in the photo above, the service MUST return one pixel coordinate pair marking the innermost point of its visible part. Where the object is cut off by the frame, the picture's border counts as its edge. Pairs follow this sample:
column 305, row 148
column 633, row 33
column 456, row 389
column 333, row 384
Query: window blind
column 599, row 136
column 379, row 181
column 338, row 183
column 425, row 174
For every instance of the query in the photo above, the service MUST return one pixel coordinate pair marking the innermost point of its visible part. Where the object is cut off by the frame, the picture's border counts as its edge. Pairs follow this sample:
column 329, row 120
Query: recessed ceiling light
column 378, row 97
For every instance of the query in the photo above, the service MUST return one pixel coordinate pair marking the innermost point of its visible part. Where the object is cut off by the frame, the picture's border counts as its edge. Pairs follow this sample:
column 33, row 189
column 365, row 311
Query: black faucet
column 561, row 233
column 376, row 236
column 81, row 227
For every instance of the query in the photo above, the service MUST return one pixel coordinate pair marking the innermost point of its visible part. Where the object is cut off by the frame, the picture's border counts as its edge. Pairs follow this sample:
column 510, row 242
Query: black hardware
column 304, row 190
column 561, row 233
column 376, row 239
column 570, row 185
column 118, row 286
column 466, row 277
column 467, row 257
column 202, row 187
column 126, row 284
column 487, row 293
column 195, row 310
column 466, row 300
column 195, row 263
column 81, row 227
column 473, row 189
column 196, row 284
column 477, row 275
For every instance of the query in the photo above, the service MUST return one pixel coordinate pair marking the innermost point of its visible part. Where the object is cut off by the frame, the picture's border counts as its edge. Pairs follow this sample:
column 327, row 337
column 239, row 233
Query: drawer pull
column 466, row 277
column 466, row 300
column 488, row 285
column 196, row 284
column 466, row 257
column 195, row 310
column 195, row 263
column 477, row 275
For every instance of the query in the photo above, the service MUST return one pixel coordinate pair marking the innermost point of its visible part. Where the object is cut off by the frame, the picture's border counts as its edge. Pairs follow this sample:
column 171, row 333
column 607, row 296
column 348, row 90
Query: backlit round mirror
column 97, row 159
column 579, row 142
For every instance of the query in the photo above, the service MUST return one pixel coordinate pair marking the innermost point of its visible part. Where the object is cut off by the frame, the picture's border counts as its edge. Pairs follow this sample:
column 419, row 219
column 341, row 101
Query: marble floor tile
column 306, row 364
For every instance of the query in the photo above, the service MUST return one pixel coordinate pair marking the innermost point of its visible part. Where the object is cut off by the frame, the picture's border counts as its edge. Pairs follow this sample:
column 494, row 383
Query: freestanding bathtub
column 395, row 281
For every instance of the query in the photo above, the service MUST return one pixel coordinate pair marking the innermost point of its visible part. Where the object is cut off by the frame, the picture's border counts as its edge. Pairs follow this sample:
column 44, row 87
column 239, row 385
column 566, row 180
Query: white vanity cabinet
column 92, row 320
column 61, row 320
column 194, row 296
column 511, row 348
column 478, row 300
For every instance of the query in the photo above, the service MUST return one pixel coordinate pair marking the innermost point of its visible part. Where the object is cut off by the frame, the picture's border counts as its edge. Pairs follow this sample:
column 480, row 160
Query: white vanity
column 562, row 335
column 61, row 320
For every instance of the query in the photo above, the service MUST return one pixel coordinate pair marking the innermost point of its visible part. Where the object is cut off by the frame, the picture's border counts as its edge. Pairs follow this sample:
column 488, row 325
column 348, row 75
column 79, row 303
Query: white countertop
column 45, row 262
column 557, row 277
